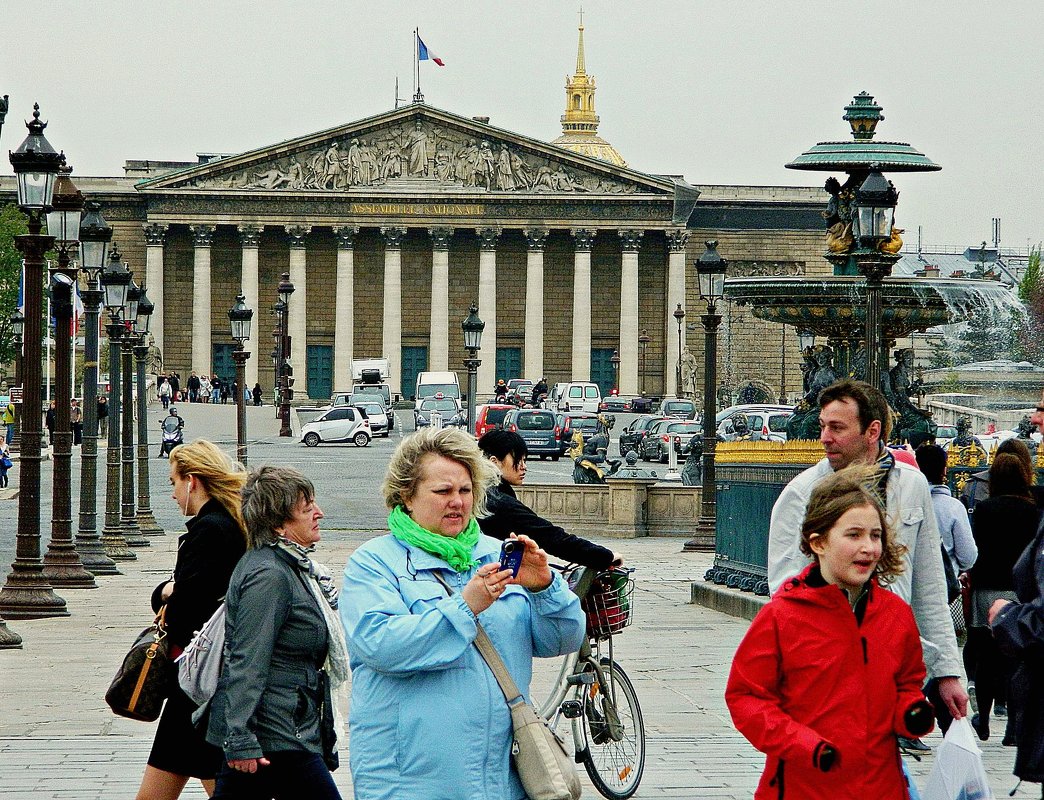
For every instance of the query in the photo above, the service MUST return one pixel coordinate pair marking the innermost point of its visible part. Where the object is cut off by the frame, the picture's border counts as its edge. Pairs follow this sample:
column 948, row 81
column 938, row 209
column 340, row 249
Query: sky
column 719, row 92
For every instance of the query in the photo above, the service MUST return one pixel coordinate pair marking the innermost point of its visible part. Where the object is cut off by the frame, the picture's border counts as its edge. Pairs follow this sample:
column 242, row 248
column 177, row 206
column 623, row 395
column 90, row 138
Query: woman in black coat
column 207, row 488
column 1002, row 526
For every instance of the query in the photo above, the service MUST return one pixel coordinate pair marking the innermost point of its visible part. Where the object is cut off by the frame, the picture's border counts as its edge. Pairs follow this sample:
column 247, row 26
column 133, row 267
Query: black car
column 664, row 434
column 446, row 408
column 626, row 403
column 568, row 424
column 631, row 437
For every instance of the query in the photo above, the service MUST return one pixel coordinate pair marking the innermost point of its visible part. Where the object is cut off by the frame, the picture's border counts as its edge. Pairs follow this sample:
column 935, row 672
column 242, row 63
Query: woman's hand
column 249, row 764
column 534, row 574
column 485, row 587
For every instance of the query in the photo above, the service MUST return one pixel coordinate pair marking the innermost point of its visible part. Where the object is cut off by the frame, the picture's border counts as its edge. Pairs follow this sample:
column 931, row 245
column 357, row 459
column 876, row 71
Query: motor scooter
column 171, row 428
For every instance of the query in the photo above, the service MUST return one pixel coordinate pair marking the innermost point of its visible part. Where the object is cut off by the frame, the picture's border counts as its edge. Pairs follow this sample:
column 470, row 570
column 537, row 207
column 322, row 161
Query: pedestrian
column 175, row 386
column 215, row 389
column 207, row 489
column 5, row 463
column 224, row 391
column 9, row 422
column 855, row 420
column 51, row 421
column 165, row 392
column 193, row 387
column 830, row 670
column 76, row 420
column 273, row 712
column 103, row 416
column 204, row 389
column 256, row 394
column 411, row 638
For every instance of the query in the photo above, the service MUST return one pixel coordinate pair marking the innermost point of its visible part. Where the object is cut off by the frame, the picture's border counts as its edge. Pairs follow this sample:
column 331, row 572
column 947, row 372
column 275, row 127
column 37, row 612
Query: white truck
column 370, row 376
column 437, row 384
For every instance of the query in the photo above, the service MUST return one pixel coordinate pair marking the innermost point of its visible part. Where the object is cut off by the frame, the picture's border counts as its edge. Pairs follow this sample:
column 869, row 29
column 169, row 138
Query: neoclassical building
column 391, row 226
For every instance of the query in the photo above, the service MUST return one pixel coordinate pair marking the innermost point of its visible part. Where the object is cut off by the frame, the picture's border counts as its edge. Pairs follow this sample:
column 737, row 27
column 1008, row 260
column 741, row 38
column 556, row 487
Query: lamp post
column 643, row 345
column 146, row 521
column 239, row 319
column 26, row 593
column 710, row 269
column 128, row 515
column 472, row 327
column 614, row 359
column 679, row 315
column 116, row 282
column 61, row 563
column 95, row 235
column 17, row 329
column 286, row 382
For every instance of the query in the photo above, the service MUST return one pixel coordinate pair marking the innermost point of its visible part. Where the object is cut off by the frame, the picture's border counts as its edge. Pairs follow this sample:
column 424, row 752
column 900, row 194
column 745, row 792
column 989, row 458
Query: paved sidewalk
column 59, row 740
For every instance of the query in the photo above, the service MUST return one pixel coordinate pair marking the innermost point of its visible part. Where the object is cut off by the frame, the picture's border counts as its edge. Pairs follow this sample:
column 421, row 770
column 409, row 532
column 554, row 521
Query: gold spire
column 580, row 123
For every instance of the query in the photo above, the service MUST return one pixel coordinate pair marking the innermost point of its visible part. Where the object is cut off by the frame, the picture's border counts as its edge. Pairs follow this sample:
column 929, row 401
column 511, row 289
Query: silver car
column 377, row 414
column 340, row 424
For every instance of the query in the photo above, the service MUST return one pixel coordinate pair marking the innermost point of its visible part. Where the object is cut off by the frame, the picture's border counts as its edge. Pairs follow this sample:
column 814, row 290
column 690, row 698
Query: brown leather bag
column 142, row 681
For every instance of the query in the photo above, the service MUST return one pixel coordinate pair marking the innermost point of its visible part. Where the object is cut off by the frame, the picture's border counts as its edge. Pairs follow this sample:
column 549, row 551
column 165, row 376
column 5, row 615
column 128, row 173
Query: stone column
column 583, row 240
column 344, row 321
column 630, row 241
column 676, row 240
column 438, row 340
column 533, row 359
column 202, row 238
column 154, row 235
column 297, row 322
column 487, row 302
column 250, row 240
column 391, row 340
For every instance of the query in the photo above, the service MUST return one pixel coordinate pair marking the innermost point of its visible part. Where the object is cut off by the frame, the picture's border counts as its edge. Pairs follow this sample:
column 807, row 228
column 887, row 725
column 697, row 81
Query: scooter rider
column 167, row 426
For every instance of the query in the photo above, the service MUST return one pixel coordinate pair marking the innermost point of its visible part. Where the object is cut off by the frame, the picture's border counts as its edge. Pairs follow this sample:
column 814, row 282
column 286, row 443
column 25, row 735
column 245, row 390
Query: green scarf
column 454, row 550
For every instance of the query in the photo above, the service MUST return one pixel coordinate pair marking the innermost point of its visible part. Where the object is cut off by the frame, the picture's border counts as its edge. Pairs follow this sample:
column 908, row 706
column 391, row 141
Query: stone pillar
column 250, row 240
column 438, row 339
column 391, row 340
column 202, row 238
column 676, row 240
column 487, row 302
column 154, row 234
column 630, row 241
column 583, row 240
column 297, row 322
column 533, row 359
column 344, row 299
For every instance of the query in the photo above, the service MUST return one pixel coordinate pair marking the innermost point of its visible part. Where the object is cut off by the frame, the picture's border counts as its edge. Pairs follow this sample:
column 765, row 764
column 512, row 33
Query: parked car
column 447, row 408
column 380, row 418
column 765, row 421
column 626, row 403
column 340, row 424
column 632, row 436
column 490, row 416
column 665, row 434
column 677, row 407
column 537, row 427
column 568, row 424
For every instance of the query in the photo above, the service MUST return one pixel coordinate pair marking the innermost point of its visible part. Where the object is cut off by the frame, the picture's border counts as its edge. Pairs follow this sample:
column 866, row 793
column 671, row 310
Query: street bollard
column 672, row 459
column 436, row 420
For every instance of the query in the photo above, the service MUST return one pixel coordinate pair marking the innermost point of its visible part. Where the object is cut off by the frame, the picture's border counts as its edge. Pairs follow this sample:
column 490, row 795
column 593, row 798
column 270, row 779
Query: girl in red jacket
column 830, row 671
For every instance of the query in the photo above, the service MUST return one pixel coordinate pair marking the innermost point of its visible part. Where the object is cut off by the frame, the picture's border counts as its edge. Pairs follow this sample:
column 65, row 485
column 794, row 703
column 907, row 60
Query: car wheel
column 311, row 439
column 361, row 439
column 662, row 456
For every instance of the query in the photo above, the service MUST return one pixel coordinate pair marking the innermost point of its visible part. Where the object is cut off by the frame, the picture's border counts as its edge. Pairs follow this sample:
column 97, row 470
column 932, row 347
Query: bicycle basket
column 608, row 604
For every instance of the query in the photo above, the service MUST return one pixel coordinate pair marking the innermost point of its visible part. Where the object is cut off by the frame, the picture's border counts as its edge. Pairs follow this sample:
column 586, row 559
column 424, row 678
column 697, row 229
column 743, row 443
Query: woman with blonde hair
column 207, row 487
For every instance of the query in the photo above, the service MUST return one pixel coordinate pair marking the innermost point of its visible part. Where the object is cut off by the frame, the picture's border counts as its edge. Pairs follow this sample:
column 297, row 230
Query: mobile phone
column 511, row 556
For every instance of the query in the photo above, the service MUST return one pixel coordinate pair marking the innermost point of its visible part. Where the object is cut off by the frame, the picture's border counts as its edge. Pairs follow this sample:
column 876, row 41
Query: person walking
column 223, row 391
column 51, row 421
column 9, row 422
column 215, row 389
column 5, row 463
column 256, row 394
column 103, row 416
column 165, row 391
column 204, row 390
column 193, row 386
column 76, row 420
column 175, row 386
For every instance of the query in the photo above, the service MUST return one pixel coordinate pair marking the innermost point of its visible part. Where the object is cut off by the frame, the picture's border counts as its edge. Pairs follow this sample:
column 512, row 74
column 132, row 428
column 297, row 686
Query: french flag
column 424, row 54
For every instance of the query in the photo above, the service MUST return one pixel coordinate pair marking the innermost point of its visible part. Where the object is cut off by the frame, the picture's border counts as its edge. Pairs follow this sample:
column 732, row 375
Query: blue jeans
column 292, row 774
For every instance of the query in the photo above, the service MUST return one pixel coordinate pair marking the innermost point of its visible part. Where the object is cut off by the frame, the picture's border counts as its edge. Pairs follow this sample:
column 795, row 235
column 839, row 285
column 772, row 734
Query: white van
column 430, row 384
column 580, row 396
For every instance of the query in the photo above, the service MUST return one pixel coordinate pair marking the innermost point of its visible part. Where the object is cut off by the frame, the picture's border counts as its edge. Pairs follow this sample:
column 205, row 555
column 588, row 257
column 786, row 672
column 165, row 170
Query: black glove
column 824, row 757
column 919, row 718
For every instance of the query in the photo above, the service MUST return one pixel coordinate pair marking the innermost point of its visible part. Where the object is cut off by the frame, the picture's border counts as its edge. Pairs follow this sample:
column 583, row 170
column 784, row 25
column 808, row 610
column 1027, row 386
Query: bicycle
column 594, row 693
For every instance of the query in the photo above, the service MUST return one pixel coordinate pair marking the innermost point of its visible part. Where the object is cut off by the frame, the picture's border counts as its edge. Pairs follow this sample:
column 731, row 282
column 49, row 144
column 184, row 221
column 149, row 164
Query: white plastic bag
column 199, row 666
column 958, row 773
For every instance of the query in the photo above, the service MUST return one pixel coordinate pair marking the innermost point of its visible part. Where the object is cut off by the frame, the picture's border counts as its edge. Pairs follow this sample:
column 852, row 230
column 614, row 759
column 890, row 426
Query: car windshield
column 684, row 427
column 535, row 422
column 441, row 406
column 371, row 408
column 678, row 405
column 584, row 423
column 494, row 416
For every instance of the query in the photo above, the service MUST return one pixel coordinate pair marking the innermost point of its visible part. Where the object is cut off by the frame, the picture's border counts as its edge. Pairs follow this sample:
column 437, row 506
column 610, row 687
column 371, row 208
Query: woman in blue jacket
column 428, row 720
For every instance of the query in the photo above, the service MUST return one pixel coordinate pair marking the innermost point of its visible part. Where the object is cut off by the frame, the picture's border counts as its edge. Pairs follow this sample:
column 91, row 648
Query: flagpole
column 416, row 63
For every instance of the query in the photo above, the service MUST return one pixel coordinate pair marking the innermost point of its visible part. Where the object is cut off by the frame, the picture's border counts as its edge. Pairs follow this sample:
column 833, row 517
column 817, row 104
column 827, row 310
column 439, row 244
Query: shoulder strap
column 492, row 658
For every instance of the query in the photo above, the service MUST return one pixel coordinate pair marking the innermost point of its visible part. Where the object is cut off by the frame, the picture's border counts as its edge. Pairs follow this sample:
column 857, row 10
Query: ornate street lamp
column 806, row 339
column 679, row 316
column 615, row 361
column 643, row 345
column 146, row 520
column 710, row 270
column 239, row 321
column 62, row 565
column 115, row 281
column 286, row 382
column 95, row 236
column 129, row 515
column 27, row 594
column 472, row 327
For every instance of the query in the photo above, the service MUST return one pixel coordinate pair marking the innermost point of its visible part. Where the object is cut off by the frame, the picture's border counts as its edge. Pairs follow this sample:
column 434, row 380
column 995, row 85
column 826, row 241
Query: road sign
column 16, row 394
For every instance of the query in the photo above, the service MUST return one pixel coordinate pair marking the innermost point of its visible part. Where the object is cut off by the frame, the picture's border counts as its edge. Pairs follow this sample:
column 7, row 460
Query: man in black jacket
column 508, row 451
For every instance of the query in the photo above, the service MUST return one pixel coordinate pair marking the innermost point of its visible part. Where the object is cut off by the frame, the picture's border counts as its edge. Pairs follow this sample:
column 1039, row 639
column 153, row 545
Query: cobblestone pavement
column 59, row 740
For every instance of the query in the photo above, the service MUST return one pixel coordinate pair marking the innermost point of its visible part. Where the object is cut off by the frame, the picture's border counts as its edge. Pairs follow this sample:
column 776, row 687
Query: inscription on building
column 419, row 209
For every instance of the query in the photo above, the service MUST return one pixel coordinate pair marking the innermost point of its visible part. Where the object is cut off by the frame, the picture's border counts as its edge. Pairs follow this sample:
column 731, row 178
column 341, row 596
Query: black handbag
column 142, row 681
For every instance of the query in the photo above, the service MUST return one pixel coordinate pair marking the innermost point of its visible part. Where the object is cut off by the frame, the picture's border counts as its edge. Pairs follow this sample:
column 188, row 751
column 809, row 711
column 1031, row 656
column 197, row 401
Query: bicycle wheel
column 615, row 767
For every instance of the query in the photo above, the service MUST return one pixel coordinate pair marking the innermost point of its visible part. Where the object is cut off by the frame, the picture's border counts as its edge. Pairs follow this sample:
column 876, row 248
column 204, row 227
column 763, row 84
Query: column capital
column 440, row 238
column 536, row 238
column 249, row 236
column 583, row 239
column 154, row 234
column 488, row 238
column 631, row 240
column 393, row 237
column 202, row 235
column 676, row 240
column 297, row 234
column 346, row 236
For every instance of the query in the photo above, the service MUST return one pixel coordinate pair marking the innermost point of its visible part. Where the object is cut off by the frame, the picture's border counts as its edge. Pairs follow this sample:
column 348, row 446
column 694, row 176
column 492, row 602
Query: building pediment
column 416, row 149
